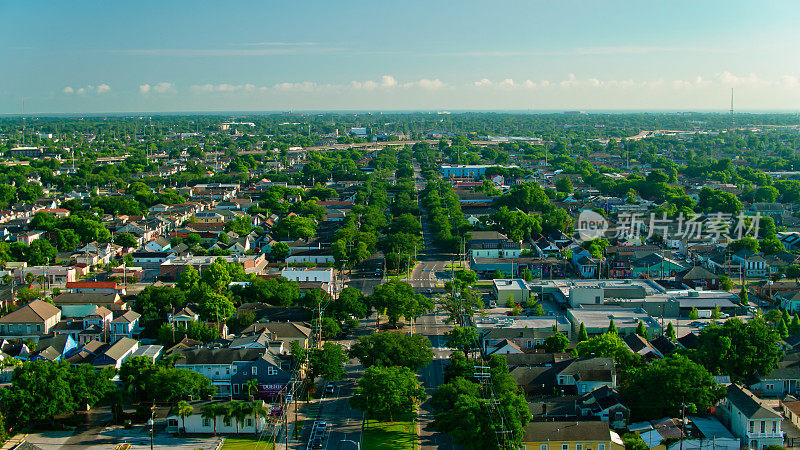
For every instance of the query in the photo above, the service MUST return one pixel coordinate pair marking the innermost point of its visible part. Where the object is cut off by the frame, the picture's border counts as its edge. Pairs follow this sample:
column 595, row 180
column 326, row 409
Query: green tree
column 463, row 338
column 740, row 350
column 743, row 298
column 217, row 276
column 793, row 271
column 671, row 332
column 279, row 251
column 460, row 409
column 126, row 240
column 184, row 410
column 794, row 327
column 693, row 314
column 209, row 412
column 216, row 307
column 715, row 314
column 783, row 329
column 397, row 299
column 189, row 279
column 582, row 335
column 564, row 185
column 660, row 388
column 556, row 343
column 386, row 393
column 726, row 283
column 612, row 328
column 641, row 330
column 393, row 349
column 328, row 361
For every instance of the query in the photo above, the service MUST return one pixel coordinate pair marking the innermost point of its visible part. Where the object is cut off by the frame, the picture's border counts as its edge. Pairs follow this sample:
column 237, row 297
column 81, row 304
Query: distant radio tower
column 731, row 101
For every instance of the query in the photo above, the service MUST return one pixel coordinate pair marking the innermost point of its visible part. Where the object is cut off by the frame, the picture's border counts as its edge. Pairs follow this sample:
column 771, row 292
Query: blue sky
column 82, row 56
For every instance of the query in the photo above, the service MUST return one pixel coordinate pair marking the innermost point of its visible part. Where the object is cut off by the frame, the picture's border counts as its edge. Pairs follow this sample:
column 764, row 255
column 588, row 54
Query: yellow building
column 570, row 436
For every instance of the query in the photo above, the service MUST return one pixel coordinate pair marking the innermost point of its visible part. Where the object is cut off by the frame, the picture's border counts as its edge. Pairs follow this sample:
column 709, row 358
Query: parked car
column 329, row 389
column 492, row 304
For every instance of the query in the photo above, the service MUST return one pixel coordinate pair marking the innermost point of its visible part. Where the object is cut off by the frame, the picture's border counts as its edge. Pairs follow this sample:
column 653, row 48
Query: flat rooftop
column 600, row 317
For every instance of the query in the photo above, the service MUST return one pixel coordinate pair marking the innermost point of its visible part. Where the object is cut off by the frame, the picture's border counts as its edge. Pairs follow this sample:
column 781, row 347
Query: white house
column 196, row 423
column 755, row 423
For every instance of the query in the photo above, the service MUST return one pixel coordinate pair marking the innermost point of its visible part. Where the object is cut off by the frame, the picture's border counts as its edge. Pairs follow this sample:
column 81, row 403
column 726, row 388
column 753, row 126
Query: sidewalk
column 14, row 441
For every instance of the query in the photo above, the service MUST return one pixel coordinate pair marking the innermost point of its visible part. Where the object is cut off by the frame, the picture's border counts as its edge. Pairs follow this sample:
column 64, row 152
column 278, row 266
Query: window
column 564, row 446
column 774, row 427
column 235, row 388
column 601, row 446
column 255, row 370
column 542, row 446
column 206, row 422
column 578, row 446
column 172, row 422
column 752, row 426
column 226, row 422
column 272, row 371
column 249, row 422
column 763, row 426
column 770, row 387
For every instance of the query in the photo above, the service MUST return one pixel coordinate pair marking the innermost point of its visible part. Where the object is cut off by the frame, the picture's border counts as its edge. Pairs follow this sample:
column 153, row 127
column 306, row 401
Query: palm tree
column 257, row 408
column 41, row 280
column 251, row 385
column 239, row 411
column 210, row 412
column 184, row 410
column 225, row 410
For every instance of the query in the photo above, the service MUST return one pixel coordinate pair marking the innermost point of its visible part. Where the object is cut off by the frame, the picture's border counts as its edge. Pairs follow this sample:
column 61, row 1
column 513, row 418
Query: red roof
column 91, row 284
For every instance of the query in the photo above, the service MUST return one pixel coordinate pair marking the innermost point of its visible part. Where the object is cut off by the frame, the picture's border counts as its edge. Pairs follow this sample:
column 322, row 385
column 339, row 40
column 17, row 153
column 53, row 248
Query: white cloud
column 306, row 86
column 159, row 88
column 529, row 84
column 507, row 83
column 388, row 81
column 90, row 89
column 483, row 82
column 222, row 87
column 428, row 84
column 163, row 87
column 789, row 81
column 570, row 81
column 751, row 80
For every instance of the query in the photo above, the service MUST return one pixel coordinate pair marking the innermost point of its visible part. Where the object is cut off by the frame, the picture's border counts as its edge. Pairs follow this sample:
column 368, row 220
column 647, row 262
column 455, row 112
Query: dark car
column 330, row 388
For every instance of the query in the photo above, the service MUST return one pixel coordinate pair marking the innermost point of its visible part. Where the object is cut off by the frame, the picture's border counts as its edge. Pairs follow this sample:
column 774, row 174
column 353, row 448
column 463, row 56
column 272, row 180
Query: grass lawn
column 246, row 443
column 390, row 435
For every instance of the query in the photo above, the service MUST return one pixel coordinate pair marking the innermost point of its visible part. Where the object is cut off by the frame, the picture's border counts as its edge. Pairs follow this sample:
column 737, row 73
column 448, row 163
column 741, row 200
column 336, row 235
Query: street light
column 152, row 424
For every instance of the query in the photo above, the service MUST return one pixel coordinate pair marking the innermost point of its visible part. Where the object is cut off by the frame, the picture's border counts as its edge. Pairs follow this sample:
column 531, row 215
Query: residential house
column 157, row 244
column 230, row 368
column 783, row 380
column 126, row 325
column 30, row 321
column 753, row 420
column 753, row 265
column 605, row 404
column 196, row 423
column 111, row 301
column 96, row 325
column 491, row 244
column 584, row 263
column 116, row 353
column 54, row 348
column 94, row 287
column 183, row 318
column 572, row 435
column 699, row 277
column 584, row 375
